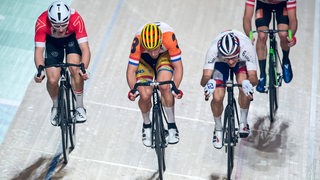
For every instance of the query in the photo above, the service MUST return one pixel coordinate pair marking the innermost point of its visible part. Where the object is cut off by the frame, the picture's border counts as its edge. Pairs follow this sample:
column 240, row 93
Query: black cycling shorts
column 264, row 13
column 55, row 48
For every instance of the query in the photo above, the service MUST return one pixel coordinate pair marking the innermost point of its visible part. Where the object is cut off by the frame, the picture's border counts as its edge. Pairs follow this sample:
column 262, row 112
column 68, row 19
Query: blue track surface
column 17, row 20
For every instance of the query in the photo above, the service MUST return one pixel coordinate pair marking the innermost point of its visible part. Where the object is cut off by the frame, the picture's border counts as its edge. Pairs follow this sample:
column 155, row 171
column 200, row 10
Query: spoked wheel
column 63, row 119
column 158, row 145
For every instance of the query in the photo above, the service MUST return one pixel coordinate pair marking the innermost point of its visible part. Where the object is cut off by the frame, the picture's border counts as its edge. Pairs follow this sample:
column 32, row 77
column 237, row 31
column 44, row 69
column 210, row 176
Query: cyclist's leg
column 164, row 73
column 263, row 17
column 145, row 73
column 283, row 24
column 243, row 100
column 220, row 75
column 73, row 53
column 53, row 74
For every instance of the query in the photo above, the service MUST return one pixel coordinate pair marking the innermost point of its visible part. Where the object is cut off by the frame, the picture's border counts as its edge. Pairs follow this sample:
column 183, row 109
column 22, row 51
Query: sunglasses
column 58, row 26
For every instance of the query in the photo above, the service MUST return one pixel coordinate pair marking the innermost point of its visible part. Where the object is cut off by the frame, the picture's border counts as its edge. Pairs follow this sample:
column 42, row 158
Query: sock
column 262, row 66
column 170, row 114
column 285, row 58
column 243, row 115
column 146, row 118
column 55, row 102
column 146, row 125
column 172, row 126
column 79, row 98
column 218, row 123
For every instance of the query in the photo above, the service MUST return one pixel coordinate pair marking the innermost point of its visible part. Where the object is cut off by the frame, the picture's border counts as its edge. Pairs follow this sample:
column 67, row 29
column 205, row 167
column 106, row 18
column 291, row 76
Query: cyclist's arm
column 252, row 77
column 247, row 18
column 293, row 21
column 38, row 56
column 131, row 75
column 85, row 51
column 206, row 76
column 178, row 72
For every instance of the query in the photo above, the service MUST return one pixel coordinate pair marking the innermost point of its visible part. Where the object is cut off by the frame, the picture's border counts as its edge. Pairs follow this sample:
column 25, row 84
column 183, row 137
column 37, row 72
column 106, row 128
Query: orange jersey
column 43, row 28
column 169, row 43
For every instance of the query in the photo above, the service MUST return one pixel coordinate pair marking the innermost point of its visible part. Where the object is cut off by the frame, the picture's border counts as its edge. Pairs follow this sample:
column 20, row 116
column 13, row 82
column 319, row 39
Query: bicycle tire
column 158, row 143
column 71, row 117
column 230, row 141
column 63, row 119
column 273, row 103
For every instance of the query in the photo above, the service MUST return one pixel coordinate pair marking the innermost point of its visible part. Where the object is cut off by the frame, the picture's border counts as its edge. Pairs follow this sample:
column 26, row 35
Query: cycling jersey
column 169, row 43
column 291, row 4
column 43, row 28
column 247, row 52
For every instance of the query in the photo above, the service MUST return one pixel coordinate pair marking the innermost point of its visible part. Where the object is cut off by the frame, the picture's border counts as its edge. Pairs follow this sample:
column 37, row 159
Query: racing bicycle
column 274, row 74
column 66, row 107
column 230, row 130
column 159, row 132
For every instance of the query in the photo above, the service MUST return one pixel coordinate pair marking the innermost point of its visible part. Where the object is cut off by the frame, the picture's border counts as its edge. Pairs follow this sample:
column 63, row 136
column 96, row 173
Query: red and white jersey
column 247, row 51
column 291, row 4
column 43, row 27
column 169, row 43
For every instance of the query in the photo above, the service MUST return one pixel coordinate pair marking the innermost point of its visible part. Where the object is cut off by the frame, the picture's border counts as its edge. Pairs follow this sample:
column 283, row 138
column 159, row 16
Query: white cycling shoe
column 146, row 136
column 173, row 137
column 81, row 115
column 54, row 116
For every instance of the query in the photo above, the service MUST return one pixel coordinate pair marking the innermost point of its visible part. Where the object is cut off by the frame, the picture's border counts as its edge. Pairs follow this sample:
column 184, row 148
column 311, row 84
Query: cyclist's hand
column 253, row 40
column 209, row 88
column 247, row 88
column 133, row 94
column 85, row 75
column 39, row 76
column 292, row 42
column 83, row 72
column 179, row 95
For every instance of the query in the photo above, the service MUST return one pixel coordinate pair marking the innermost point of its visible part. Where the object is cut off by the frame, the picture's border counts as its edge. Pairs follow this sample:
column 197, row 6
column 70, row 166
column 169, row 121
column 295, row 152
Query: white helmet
column 59, row 12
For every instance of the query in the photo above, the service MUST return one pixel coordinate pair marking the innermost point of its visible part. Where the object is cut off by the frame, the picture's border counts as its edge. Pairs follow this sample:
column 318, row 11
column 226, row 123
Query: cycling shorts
column 149, row 67
column 221, row 71
column 264, row 13
column 55, row 48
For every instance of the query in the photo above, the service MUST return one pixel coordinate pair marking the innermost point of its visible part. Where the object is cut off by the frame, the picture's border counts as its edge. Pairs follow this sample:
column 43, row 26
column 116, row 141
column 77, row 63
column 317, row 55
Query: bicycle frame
column 159, row 133
column 230, row 131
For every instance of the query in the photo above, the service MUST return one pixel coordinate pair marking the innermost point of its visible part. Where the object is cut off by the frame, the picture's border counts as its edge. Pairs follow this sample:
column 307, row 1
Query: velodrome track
column 109, row 144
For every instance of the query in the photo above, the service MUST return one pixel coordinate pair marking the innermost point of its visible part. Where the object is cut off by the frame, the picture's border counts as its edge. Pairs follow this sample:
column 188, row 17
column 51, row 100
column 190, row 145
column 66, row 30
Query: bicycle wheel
column 158, row 142
column 273, row 94
column 229, row 138
column 71, row 120
column 63, row 119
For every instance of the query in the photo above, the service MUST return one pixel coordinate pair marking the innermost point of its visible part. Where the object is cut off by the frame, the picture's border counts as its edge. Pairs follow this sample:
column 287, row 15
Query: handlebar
column 65, row 65
column 227, row 84
column 270, row 31
column 155, row 84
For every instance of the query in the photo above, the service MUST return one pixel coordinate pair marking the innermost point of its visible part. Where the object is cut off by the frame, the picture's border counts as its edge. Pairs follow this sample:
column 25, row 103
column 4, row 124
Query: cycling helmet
column 229, row 45
column 151, row 36
column 59, row 12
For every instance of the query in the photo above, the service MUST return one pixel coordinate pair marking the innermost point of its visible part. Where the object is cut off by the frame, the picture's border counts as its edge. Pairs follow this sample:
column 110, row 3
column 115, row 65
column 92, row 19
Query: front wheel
column 63, row 119
column 158, row 144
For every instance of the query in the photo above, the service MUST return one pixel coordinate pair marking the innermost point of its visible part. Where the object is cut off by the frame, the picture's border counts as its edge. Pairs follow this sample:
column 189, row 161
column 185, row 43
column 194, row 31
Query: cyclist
column 61, row 29
column 286, row 19
column 155, row 54
column 232, row 50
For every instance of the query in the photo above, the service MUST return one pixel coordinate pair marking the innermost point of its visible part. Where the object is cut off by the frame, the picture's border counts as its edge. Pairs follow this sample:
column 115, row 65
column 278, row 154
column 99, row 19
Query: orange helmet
column 151, row 36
